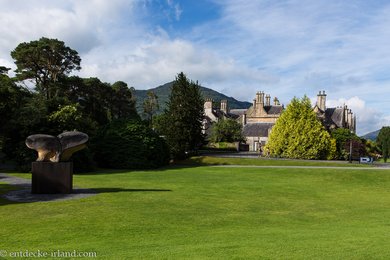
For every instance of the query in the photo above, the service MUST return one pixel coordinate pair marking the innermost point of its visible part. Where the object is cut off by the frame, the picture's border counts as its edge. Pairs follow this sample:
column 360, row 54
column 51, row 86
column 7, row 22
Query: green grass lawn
column 212, row 212
column 256, row 161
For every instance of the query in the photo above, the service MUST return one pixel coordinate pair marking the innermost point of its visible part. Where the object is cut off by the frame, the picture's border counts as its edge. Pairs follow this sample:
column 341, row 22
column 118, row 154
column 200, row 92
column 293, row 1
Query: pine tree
column 298, row 134
column 46, row 61
column 183, row 117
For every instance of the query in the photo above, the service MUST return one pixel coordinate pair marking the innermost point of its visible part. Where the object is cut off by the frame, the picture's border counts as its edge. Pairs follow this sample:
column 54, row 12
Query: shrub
column 129, row 144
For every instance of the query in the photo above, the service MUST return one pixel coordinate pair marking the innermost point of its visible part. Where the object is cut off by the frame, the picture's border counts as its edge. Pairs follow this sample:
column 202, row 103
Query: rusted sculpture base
column 52, row 178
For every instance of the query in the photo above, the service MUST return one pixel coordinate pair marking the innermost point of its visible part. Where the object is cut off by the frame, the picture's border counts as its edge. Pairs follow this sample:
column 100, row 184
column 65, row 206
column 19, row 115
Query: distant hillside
column 372, row 135
column 164, row 91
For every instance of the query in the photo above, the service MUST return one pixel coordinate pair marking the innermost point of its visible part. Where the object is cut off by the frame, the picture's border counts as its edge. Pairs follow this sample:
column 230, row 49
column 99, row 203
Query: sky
column 237, row 47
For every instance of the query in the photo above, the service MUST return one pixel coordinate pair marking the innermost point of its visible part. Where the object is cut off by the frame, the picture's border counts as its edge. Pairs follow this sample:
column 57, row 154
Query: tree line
column 59, row 101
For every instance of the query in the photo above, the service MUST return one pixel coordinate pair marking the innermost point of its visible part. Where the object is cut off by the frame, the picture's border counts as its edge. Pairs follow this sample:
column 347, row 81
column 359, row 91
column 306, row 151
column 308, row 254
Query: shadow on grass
column 6, row 188
column 14, row 194
column 113, row 190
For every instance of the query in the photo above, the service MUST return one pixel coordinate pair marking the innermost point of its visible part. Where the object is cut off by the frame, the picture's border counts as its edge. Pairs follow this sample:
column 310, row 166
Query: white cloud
column 83, row 25
column 176, row 9
column 158, row 60
column 368, row 118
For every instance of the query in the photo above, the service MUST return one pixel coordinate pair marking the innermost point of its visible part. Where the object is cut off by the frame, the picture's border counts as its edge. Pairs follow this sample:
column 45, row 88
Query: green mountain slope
column 372, row 135
column 164, row 91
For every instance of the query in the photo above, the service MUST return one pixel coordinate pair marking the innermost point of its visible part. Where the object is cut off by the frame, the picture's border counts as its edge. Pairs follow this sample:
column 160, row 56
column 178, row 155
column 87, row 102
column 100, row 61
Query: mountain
column 372, row 135
column 164, row 91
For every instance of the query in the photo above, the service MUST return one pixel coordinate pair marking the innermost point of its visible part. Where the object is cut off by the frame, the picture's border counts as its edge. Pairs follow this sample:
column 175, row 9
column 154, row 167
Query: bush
column 129, row 144
column 221, row 146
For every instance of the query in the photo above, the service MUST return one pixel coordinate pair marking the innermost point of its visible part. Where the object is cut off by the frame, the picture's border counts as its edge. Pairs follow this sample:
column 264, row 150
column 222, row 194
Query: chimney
column 260, row 98
column 323, row 104
column 345, row 114
column 224, row 106
column 350, row 118
column 243, row 119
column 208, row 106
column 276, row 101
column 321, row 100
column 268, row 100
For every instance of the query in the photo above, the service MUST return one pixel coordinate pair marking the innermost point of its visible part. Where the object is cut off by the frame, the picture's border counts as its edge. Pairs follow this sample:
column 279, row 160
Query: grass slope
column 212, row 212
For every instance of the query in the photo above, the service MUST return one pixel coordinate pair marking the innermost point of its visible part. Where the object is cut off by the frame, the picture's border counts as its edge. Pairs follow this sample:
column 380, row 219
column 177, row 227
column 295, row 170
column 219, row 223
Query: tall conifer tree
column 299, row 134
column 183, row 117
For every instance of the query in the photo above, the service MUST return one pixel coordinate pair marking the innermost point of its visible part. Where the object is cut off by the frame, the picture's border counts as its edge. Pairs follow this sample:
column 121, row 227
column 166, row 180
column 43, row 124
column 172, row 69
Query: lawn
column 211, row 212
column 262, row 161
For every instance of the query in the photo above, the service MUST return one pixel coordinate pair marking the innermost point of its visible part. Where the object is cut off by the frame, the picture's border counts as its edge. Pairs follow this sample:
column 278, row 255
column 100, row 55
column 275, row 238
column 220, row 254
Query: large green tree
column 123, row 102
column 383, row 141
column 226, row 130
column 299, row 134
column 100, row 101
column 45, row 61
column 12, row 97
column 182, row 119
column 93, row 96
column 343, row 138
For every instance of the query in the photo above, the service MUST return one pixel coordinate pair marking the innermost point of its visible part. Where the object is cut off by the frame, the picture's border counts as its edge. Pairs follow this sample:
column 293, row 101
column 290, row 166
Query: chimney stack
column 321, row 100
column 208, row 105
column 224, row 106
column 268, row 100
column 350, row 118
column 260, row 98
column 345, row 113
column 276, row 101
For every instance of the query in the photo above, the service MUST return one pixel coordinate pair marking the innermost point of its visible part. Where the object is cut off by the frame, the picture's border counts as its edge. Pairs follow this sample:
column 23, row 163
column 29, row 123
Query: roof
column 220, row 114
column 238, row 112
column 273, row 110
column 334, row 115
column 257, row 129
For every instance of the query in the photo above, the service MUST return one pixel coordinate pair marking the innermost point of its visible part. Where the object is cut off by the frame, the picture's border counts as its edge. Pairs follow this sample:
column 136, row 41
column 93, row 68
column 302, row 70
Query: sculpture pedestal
column 52, row 178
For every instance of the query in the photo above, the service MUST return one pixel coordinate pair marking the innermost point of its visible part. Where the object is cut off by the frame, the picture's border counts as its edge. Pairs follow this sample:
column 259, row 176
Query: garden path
column 22, row 193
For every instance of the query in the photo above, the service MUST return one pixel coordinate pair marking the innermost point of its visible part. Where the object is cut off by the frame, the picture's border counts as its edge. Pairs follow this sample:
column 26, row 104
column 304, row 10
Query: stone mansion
column 258, row 119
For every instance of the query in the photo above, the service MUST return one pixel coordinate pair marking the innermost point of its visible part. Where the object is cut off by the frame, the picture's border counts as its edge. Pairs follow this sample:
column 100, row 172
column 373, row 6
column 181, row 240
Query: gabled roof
column 257, row 129
column 334, row 115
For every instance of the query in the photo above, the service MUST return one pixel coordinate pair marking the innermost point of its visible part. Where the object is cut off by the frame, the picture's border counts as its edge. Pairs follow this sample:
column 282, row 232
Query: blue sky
column 285, row 48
